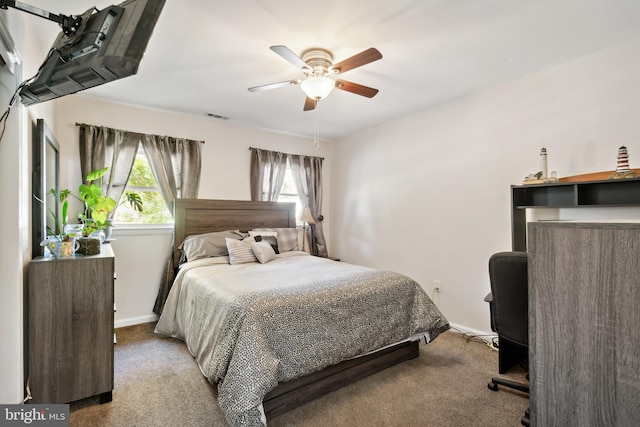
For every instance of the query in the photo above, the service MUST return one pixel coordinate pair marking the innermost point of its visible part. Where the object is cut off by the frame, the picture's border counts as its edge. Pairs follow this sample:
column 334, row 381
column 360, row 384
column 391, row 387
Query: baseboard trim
column 461, row 329
column 135, row 320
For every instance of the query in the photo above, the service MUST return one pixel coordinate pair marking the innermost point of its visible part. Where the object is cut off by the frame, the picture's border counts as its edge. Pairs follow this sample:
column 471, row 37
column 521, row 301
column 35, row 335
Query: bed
column 278, row 334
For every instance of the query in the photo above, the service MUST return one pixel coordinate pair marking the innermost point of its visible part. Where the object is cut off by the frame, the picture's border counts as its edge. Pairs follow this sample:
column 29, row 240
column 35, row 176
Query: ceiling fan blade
column 367, row 91
column 309, row 104
column 273, row 85
column 288, row 54
column 362, row 58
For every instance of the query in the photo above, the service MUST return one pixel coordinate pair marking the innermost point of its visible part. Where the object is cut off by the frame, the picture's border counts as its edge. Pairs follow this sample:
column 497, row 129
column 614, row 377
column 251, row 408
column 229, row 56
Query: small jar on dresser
column 70, row 346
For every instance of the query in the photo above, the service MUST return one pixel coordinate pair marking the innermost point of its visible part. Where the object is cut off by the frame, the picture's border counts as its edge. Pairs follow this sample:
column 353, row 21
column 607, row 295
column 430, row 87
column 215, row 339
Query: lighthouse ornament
column 622, row 169
column 542, row 176
column 543, row 163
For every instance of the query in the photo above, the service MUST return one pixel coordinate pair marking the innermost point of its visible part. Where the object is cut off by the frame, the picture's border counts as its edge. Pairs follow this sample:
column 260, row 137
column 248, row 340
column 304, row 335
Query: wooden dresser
column 584, row 323
column 71, row 303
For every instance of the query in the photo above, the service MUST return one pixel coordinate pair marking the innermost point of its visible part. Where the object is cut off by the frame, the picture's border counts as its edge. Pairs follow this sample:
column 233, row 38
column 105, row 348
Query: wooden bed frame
column 197, row 216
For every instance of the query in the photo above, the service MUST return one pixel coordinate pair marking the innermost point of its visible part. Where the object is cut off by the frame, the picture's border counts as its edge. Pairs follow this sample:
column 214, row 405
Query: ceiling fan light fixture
column 317, row 87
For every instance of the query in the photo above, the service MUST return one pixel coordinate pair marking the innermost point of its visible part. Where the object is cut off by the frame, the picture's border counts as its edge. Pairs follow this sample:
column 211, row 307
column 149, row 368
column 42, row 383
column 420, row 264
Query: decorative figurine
column 542, row 176
column 543, row 163
column 623, row 170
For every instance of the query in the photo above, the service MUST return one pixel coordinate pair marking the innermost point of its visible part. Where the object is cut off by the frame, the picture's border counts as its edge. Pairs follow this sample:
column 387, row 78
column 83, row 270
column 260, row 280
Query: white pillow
column 270, row 237
column 240, row 251
column 263, row 251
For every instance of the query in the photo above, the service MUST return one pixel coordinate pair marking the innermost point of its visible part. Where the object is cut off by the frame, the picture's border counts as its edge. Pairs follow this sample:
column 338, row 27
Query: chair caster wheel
column 492, row 386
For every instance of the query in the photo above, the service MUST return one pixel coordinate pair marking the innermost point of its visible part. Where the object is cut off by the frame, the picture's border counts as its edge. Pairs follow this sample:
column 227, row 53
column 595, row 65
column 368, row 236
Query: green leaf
column 96, row 174
column 134, row 200
column 65, row 209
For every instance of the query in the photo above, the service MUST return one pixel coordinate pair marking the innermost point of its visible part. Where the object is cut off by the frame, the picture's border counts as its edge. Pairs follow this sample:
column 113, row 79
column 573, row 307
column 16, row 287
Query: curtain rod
column 139, row 133
column 254, row 148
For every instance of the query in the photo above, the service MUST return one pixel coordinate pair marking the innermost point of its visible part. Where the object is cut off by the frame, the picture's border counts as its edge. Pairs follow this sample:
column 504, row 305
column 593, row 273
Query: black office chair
column 509, row 308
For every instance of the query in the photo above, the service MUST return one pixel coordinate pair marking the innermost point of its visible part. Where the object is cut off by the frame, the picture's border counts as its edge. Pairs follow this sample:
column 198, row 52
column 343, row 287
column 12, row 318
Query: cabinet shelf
column 609, row 193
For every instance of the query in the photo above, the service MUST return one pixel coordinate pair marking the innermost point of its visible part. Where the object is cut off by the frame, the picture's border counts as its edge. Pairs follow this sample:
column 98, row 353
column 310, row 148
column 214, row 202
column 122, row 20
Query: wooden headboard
column 197, row 216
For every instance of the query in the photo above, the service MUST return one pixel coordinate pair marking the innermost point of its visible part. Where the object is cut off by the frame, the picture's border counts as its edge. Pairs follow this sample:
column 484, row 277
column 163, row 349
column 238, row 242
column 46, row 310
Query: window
column 143, row 182
column 289, row 192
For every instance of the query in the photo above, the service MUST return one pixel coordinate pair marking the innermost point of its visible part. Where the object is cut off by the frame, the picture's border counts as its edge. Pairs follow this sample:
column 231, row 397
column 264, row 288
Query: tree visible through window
column 143, row 182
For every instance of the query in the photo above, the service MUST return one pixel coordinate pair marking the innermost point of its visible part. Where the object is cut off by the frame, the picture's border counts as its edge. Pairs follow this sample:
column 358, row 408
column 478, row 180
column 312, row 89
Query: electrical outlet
column 437, row 286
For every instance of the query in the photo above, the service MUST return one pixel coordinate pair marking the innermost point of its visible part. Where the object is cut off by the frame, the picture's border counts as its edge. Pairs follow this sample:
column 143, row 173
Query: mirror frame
column 45, row 176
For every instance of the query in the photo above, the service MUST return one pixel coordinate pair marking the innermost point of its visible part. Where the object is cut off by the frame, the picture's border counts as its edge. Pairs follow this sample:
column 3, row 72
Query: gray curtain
column 105, row 147
column 176, row 165
column 307, row 174
column 175, row 162
column 267, row 174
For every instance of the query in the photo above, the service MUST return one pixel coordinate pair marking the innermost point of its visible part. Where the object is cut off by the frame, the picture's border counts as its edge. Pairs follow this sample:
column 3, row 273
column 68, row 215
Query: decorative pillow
column 207, row 245
column 287, row 237
column 240, row 251
column 270, row 237
column 263, row 251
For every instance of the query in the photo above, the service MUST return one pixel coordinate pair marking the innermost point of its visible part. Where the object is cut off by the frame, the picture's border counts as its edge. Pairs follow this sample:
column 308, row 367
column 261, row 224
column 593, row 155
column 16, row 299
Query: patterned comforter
column 250, row 326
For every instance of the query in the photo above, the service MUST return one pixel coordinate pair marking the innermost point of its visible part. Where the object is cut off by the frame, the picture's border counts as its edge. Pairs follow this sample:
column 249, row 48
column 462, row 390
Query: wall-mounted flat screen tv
column 108, row 45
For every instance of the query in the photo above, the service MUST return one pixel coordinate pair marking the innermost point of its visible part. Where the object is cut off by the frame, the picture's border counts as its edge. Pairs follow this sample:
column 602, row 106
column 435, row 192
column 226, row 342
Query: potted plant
column 98, row 209
column 59, row 241
column 94, row 219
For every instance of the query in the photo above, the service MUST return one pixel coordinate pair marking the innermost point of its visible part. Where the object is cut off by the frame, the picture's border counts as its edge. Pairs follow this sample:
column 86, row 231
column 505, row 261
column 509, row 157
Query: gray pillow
column 207, row 245
column 287, row 238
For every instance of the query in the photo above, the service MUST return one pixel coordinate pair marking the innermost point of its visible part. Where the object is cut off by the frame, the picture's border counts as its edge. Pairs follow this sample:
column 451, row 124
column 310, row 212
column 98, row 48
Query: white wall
column 140, row 254
column 12, row 156
column 15, row 187
column 428, row 195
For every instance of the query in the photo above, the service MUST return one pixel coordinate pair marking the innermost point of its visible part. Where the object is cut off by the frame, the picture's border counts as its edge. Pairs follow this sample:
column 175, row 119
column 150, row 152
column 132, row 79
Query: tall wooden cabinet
column 584, row 323
column 71, row 302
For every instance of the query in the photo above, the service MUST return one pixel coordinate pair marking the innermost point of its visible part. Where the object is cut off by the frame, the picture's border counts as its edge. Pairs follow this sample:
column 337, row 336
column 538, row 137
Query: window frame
column 139, row 225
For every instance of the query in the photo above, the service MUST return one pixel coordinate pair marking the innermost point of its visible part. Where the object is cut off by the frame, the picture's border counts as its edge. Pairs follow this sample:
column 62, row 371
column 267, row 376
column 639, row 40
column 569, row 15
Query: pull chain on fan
column 316, row 130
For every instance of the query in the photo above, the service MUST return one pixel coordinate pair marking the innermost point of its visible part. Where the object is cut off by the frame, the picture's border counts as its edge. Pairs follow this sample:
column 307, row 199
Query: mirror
column 45, row 173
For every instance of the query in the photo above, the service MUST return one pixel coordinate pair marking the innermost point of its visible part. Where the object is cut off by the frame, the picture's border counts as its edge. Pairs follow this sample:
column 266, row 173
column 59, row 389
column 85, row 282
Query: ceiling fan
column 319, row 69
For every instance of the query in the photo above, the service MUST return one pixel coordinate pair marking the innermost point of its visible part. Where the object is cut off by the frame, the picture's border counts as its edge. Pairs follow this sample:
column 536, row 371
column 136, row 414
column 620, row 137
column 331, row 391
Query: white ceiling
column 204, row 54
